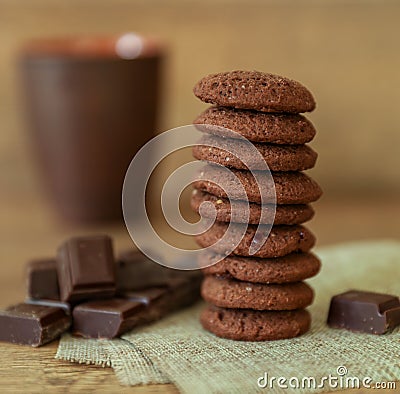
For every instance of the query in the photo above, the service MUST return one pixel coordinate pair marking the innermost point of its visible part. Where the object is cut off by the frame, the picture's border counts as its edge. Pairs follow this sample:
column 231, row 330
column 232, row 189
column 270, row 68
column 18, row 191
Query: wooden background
column 346, row 52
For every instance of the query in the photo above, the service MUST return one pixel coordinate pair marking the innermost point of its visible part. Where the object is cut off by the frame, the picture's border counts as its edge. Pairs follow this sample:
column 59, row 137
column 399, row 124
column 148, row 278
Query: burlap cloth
column 179, row 351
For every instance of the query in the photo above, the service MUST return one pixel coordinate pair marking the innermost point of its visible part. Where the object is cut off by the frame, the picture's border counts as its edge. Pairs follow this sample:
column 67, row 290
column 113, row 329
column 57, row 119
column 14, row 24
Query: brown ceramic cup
column 92, row 103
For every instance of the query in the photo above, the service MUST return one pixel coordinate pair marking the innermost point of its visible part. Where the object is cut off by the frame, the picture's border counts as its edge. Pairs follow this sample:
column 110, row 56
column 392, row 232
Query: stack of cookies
column 256, row 296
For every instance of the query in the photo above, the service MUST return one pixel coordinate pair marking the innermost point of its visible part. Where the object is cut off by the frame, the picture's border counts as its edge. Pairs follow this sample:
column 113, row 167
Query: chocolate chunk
column 65, row 306
column 146, row 296
column 42, row 279
column 165, row 289
column 135, row 271
column 86, row 268
column 113, row 317
column 106, row 318
column 179, row 293
column 362, row 311
column 33, row 325
column 146, row 292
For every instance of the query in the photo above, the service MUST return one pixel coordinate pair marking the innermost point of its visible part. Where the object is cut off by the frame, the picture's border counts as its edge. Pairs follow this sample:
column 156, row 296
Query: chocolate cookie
column 281, row 241
column 286, row 129
column 294, row 267
column 239, row 154
column 250, row 325
column 290, row 187
column 255, row 90
column 284, row 214
column 231, row 293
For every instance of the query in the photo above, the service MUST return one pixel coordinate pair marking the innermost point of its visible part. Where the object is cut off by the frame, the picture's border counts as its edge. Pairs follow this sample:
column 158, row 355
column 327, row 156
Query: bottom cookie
column 250, row 325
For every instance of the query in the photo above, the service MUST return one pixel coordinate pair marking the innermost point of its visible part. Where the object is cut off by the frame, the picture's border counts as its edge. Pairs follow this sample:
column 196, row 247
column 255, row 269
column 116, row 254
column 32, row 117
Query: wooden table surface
column 28, row 229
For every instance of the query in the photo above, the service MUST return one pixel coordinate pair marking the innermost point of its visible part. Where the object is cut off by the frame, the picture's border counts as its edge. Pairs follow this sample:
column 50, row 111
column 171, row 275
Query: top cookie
column 255, row 90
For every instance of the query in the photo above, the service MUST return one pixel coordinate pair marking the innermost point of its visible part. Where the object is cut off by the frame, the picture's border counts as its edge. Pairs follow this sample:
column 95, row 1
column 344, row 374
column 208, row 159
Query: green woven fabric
column 178, row 350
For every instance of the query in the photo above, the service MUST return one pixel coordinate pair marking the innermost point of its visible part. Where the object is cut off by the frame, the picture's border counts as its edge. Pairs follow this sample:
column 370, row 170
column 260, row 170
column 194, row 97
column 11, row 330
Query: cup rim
column 89, row 47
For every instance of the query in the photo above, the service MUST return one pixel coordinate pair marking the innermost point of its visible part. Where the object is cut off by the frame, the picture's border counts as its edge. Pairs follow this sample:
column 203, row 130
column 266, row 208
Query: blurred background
column 346, row 52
